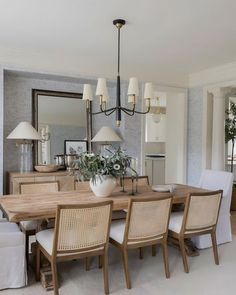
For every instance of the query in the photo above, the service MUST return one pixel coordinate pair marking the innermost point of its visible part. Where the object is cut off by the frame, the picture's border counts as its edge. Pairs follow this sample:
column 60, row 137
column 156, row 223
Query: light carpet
column 147, row 275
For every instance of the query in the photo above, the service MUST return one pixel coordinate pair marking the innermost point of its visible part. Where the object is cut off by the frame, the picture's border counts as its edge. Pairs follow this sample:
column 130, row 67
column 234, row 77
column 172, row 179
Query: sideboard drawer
column 44, row 178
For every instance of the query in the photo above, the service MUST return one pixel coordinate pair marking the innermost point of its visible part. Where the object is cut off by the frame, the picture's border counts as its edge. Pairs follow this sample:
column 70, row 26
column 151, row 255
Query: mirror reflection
column 59, row 119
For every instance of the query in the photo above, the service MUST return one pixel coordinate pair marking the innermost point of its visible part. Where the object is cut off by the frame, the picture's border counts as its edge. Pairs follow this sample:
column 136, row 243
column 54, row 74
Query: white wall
column 176, row 124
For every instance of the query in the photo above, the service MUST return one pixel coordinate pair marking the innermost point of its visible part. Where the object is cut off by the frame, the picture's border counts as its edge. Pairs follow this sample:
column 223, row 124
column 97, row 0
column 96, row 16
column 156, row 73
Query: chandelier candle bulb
column 105, row 96
column 148, row 91
column 87, row 93
column 133, row 90
column 101, row 87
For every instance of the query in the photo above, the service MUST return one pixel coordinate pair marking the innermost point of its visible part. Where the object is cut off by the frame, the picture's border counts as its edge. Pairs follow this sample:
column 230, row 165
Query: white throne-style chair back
column 215, row 180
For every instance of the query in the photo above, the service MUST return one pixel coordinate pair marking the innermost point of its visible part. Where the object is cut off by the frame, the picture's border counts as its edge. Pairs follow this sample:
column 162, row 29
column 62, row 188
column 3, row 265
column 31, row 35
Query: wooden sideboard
column 66, row 181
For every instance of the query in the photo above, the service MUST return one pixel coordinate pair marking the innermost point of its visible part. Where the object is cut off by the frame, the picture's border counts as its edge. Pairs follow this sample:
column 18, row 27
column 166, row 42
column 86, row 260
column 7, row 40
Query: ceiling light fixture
column 133, row 91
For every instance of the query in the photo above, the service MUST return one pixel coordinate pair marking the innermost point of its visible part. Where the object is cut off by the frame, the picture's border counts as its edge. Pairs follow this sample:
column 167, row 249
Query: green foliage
column 230, row 123
column 88, row 166
column 230, row 128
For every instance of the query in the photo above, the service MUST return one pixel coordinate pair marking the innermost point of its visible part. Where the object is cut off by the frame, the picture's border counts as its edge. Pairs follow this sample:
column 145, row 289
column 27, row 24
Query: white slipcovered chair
column 200, row 217
column 12, row 256
column 215, row 180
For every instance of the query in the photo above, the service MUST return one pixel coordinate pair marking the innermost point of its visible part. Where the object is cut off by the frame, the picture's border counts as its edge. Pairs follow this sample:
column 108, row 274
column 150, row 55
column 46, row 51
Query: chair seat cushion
column 117, row 230
column 175, row 224
column 176, row 219
column 10, row 235
column 29, row 224
column 45, row 239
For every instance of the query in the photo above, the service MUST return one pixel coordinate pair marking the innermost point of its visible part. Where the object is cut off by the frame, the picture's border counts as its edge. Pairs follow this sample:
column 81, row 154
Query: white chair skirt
column 12, row 256
column 13, row 267
column 223, row 233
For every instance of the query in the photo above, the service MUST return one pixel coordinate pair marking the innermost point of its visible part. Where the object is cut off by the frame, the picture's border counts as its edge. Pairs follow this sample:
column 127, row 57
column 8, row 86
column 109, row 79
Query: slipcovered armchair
column 12, row 256
column 215, row 180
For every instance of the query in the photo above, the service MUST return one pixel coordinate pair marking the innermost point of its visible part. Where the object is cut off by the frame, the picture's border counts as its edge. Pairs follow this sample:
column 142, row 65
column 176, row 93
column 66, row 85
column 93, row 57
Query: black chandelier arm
column 96, row 113
column 112, row 111
column 129, row 112
column 102, row 111
column 143, row 113
column 107, row 112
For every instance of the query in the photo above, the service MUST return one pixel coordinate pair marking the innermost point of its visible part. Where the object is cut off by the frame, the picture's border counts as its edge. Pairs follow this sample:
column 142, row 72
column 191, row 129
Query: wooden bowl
column 47, row 168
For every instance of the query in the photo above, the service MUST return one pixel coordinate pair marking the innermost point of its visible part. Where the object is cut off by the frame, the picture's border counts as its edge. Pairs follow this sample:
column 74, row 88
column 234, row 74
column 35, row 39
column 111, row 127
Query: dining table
column 23, row 207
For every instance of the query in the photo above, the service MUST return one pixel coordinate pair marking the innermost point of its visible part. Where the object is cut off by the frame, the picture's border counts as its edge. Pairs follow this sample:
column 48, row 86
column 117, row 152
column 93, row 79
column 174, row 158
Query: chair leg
column 154, row 250
column 37, row 272
column 215, row 248
column 105, row 273
column 126, row 268
column 87, row 263
column 27, row 248
column 54, row 277
column 184, row 256
column 166, row 259
column 100, row 261
column 140, row 253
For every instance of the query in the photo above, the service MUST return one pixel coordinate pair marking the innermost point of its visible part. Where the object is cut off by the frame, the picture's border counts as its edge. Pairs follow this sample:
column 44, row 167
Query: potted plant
column 102, row 171
column 230, row 135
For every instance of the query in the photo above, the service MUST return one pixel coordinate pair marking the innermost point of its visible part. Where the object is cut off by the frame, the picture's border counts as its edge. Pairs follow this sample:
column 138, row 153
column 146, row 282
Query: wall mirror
column 59, row 117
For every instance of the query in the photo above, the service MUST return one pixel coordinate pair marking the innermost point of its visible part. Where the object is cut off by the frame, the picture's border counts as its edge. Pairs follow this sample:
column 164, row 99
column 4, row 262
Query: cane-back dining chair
column 140, row 180
column 80, row 231
column 82, row 186
column 29, row 227
column 200, row 217
column 146, row 224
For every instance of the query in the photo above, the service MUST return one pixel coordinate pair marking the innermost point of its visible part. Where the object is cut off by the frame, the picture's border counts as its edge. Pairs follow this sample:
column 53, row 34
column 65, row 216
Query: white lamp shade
column 148, row 91
column 24, row 130
column 101, row 87
column 87, row 93
column 105, row 96
column 106, row 134
column 133, row 87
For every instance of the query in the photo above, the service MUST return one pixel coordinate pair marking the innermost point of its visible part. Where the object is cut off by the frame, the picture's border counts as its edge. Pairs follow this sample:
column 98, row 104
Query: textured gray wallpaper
column 194, row 157
column 18, row 107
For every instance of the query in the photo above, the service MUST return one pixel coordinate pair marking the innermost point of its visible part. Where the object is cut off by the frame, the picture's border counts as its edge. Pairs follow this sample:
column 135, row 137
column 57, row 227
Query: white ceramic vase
column 104, row 185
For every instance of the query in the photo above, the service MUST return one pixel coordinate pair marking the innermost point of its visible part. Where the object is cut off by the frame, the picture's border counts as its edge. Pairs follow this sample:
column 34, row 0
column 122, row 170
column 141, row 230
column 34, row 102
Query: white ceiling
column 163, row 41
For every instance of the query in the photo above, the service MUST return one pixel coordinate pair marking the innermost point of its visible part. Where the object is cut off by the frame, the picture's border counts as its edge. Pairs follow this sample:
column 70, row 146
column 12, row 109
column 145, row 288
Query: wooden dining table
column 43, row 206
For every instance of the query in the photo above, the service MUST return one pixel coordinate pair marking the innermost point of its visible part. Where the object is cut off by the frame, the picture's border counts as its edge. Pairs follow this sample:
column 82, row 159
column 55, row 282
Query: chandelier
column 133, row 91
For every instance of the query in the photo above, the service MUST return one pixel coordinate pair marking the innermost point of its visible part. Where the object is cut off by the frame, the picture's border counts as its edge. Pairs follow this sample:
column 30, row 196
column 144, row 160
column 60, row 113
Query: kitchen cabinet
column 155, row 169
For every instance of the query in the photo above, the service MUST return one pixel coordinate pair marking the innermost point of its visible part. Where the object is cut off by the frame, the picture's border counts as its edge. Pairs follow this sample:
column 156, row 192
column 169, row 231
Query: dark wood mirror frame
column 35, row 94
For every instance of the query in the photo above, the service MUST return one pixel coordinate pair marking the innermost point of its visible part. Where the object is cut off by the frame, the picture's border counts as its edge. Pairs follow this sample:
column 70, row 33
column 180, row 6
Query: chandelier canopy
column 133, row 90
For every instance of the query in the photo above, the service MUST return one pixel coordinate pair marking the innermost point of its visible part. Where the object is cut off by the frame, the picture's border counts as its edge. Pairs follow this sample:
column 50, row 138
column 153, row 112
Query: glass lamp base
column 25, row 157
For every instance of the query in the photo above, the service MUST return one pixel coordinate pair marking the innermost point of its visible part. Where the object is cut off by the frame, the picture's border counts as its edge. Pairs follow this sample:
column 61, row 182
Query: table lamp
column 105, row 136
column 24, row 133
